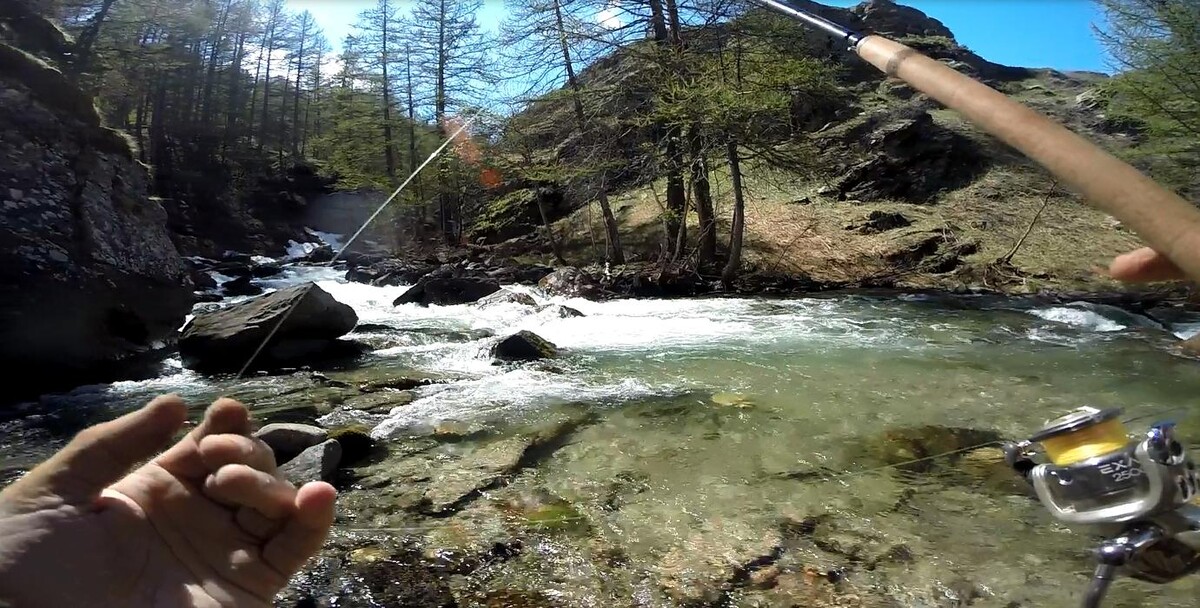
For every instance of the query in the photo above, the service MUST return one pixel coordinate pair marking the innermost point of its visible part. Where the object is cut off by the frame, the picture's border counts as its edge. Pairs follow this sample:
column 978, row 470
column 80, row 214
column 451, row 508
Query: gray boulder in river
column 89, row 276
column 448, row 291
column 571, row 282
column 223, row 340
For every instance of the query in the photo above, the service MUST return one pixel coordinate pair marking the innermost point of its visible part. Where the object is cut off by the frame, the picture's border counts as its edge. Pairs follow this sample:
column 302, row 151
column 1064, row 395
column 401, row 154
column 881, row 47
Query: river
column 715, row 430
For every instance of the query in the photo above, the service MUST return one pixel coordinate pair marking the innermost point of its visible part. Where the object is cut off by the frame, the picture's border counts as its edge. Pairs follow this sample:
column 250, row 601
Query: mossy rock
column 547, row 513
column 356, row 443
column 923, row 448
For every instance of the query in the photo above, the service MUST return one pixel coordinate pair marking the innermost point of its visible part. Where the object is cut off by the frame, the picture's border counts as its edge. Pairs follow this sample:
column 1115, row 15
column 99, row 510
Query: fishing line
column 288, row 313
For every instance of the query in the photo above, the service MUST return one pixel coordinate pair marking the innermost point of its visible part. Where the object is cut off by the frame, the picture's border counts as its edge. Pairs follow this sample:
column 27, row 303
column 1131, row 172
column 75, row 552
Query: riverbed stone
column 288, row 440
column 707, row 565
column 524, row 346
column 317, row 463
column 484, row 467
column 224, row 340
column 379, row 402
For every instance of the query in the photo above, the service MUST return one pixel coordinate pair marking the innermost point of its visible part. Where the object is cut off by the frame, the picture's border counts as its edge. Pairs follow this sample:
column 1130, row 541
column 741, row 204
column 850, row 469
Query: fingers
column 303, row 534
column 240, row 485
column 224, row 417
column 217, row 451
column 1144, row 266
column 101, row 455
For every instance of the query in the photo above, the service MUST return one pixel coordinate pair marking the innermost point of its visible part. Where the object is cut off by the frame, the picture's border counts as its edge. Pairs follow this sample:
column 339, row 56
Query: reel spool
column 1138, row 493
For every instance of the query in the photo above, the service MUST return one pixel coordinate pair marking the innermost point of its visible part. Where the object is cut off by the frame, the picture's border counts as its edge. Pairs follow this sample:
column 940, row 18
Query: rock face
column 570, row 283
column 88, row 274
column 448, row 291
column 524, row 346
column 224, row 340
column 910, row 158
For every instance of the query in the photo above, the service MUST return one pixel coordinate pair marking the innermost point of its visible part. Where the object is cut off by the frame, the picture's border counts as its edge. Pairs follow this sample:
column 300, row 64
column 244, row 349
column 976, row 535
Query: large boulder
column 571, row 283
column 89, row 277
column 448, row 291
column 524, row 346
column 225, row 339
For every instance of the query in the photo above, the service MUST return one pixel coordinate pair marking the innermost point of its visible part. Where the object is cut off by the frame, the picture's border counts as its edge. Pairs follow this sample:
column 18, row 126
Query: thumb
column 101, row 455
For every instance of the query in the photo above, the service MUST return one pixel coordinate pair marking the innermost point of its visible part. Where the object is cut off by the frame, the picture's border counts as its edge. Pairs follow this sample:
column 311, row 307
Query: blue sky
column 1028, row 33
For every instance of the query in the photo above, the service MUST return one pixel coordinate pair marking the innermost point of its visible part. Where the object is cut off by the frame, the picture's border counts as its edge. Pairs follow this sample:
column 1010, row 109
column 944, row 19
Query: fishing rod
column 1084, row 467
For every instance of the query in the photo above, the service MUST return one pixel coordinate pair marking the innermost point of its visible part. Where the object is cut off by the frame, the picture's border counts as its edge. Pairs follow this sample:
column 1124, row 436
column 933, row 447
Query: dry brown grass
column 786, row 235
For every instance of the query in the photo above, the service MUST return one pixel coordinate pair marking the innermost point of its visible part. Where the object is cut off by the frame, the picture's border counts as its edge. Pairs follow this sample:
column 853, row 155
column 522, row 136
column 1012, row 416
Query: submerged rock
column 224, row 340
column 317, row 463
column 484, row 467
column 524, row 346
column 706, row 567
column 355, row 441
column 560, row 311
column 905, row 447
column 448, row 291
column 288, row 440
column 241, row 286
column 379, row 401
column 571, row 283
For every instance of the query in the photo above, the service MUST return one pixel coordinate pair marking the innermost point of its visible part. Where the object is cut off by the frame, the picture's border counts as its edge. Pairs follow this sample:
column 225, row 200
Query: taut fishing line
column 288, row 313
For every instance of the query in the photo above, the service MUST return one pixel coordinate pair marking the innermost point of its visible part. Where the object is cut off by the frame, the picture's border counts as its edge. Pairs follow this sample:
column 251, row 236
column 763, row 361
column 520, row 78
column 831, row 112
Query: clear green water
column 676, row 481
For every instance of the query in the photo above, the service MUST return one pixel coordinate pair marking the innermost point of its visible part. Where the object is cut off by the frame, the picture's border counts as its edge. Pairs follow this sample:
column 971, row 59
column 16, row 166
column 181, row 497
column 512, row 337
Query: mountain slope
column 899, row 191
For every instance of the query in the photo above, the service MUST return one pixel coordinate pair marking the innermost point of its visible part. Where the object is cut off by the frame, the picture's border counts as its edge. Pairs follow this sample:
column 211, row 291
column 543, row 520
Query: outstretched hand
column 1144, row 266
column 205, row 524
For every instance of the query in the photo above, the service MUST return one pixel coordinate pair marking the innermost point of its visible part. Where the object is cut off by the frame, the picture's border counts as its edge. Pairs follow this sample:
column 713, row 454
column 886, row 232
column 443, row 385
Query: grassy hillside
column 892, row 189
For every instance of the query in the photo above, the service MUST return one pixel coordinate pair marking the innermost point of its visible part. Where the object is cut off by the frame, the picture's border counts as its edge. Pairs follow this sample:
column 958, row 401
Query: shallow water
column 816, row 379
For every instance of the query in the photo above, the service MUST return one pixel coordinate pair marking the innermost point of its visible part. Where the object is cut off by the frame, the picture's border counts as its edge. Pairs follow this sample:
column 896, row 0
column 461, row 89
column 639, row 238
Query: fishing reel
column 1137, row 493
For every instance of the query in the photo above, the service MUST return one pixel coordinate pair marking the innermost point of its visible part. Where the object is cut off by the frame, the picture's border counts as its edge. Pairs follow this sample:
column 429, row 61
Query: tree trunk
column 657, row 21
column 702, row 194
column 87, row 38
column 254, row 89
column 554, row 244
column 440, row 115
column 283, row 102
column 213, row 57
column 412, row 125
column 613, row 251
column 389, row 146
column 265, row 127
column 235, row 93
column 296, row 99
column 739, row 216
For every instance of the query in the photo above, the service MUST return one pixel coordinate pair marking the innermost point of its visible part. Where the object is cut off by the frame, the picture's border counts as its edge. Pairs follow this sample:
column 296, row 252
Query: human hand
column 1143, row 266
column 204, row 524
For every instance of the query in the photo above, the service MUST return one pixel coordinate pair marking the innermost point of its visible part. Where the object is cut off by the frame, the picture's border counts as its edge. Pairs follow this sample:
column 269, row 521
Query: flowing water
column 710, row 421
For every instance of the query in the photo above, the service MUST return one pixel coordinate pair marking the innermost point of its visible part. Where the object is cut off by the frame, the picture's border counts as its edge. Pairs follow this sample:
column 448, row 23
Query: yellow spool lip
column 1077, row 420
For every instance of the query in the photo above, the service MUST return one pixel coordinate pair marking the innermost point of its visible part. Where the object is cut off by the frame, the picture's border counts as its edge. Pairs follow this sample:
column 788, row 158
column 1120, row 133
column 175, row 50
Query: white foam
column 333, row 240
column 1078, row 317
column 501, row 395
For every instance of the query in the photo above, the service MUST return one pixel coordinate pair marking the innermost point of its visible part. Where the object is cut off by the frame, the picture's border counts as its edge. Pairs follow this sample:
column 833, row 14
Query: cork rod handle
column 1165, row 220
